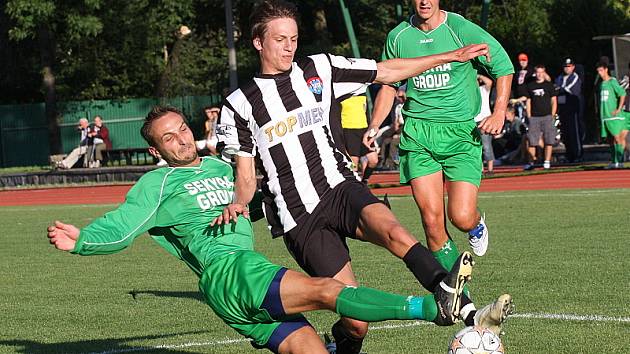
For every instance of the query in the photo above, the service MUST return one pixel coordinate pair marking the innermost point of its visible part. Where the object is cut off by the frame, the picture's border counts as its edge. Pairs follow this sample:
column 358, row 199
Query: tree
column 50, row 24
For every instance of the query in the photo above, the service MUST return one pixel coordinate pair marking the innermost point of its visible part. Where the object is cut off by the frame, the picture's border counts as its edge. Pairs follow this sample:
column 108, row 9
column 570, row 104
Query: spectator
column 510, row 144
column 569, row 95
column 612, row 97
column 101, row 142
column 525, row 74
column 76, row 153
column 354, row 124
column 209, row 144
column 541, row 109
column 485, row 86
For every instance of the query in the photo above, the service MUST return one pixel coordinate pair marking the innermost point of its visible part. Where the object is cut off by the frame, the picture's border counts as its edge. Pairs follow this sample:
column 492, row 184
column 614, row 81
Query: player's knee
column 325, row 292
column 464, row 220
column 432, row 222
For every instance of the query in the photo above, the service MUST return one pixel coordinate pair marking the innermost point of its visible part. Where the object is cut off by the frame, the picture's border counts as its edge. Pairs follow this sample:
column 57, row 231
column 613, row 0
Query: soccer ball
column 475, row 340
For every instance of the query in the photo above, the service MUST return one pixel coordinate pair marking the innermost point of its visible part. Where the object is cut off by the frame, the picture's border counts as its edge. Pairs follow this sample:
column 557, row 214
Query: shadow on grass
column 109, row 345
column 195, row 295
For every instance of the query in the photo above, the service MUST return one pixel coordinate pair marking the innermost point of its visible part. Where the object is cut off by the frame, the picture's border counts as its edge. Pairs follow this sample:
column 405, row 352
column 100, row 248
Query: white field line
column 536, row 316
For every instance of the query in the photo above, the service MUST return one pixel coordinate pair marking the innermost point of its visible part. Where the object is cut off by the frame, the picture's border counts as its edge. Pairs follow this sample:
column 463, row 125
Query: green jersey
column 448, row 92
column 175, row 205
column 610, row 91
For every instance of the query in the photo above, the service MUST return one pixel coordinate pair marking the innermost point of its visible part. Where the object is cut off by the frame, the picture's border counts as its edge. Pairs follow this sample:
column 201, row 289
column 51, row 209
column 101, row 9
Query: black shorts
column 353, row 139
column 318, row 242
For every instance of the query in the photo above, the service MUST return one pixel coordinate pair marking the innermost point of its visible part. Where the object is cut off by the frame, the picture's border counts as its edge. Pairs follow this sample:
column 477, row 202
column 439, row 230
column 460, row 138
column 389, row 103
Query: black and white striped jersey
column 286, row 120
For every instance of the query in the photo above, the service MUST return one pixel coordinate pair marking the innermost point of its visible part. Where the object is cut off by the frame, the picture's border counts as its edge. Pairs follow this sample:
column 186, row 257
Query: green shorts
column 613, row 126
column 428, row 147
column 235, row 287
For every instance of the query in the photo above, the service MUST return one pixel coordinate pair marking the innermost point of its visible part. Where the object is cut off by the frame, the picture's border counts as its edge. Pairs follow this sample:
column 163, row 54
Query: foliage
column 107, row 49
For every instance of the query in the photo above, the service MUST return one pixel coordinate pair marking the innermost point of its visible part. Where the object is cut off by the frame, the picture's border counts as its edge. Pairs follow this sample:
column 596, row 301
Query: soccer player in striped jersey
column 285, row 115
column 260, row 300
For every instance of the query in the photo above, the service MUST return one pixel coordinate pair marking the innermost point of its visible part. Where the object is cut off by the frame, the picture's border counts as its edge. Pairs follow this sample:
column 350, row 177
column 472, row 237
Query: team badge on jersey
column 315, row 85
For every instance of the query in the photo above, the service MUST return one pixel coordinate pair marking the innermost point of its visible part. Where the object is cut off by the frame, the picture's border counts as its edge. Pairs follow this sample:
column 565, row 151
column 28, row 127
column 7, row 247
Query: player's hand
column 369, row 137
column 231, row 213
column 492, row 125
column 63, row 236
column 615, row 112
column 471, row 52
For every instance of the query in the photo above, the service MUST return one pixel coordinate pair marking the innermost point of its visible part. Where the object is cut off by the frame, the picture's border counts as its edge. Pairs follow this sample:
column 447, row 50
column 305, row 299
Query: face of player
column 540, row 74
column 277, row 47
column 603, row 73
column 427, row 9
column 174, row 141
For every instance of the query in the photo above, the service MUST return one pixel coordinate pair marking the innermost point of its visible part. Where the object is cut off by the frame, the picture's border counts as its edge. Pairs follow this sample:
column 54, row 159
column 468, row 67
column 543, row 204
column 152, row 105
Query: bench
column 130, row 156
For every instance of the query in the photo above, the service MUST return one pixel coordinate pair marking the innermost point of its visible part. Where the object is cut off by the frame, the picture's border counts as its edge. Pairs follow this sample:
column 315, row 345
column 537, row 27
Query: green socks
column 618, row 153
column 447, row 256
column 371, row 305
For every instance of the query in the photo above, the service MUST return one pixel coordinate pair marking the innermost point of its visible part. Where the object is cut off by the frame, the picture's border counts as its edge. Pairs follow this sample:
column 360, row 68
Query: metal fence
column 24, row 131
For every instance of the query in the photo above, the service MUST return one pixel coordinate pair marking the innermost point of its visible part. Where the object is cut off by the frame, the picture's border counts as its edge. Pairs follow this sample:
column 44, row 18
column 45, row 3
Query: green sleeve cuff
column 79, row 244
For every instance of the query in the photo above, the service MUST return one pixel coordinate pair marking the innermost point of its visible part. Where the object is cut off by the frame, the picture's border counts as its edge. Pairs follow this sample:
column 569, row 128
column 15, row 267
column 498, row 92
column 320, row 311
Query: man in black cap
column 570, row 92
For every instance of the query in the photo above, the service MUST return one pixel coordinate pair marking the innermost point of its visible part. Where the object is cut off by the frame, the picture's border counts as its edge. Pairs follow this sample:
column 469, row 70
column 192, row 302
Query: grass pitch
column 561, row 254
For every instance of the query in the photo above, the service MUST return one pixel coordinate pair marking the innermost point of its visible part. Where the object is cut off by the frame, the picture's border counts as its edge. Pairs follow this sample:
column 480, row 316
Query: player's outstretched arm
column 394, row 70
column 63, row 236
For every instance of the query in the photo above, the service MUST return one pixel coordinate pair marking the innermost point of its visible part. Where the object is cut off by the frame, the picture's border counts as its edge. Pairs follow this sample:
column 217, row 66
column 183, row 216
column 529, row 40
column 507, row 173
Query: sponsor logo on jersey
column 315, row 85
column 211, row 192
column 304, row 118
column 435, row 78
column 604, row 95
column 425, row 41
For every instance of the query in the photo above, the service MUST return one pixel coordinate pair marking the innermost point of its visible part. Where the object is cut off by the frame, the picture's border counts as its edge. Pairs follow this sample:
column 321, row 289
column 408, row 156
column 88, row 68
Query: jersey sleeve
column 234, row 134
column 389, row 52
column 117, row 229
column 499, row 64
column 351, row 76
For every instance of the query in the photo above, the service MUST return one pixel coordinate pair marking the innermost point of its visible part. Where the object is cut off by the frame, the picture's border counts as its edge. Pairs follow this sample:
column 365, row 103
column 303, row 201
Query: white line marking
column 536, row 316
column 568, row 317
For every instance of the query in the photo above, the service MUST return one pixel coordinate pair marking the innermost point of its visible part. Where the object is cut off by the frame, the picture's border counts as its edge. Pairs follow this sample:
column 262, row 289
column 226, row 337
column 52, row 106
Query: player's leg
column 428, row 194
column 301, row 293
column 620, row 145
column 302, row 341
column 322, row 252
column 379, row 226
column 464, row 215
column 348, row 331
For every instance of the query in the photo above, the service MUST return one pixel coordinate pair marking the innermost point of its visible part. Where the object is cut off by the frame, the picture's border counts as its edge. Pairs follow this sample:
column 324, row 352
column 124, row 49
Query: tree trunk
column 47, row 54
